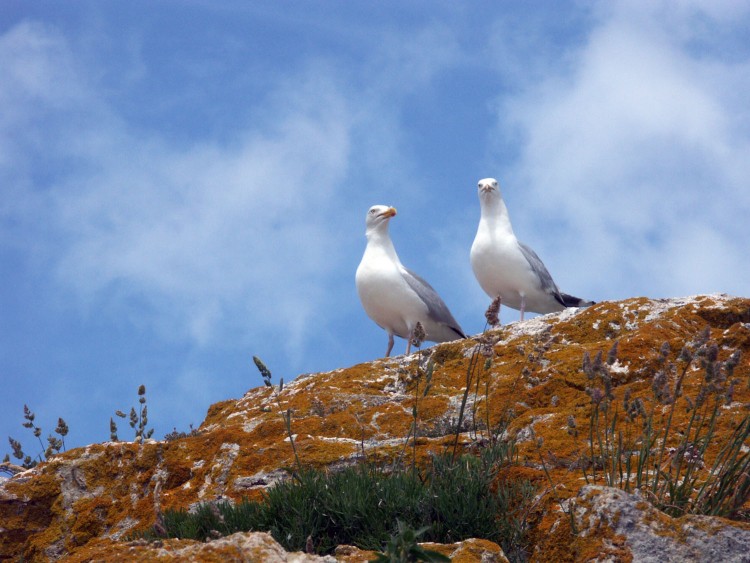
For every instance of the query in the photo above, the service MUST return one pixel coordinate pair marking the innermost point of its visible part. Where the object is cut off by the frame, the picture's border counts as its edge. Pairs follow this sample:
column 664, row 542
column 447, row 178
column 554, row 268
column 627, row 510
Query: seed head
column 493, row 312
column 713, row 352
column 112, row 430
column 572, row 429
column 16, row 447
column 685, row 355
column 265, row 373
column 596, row 394
column 418, row 335
column 703, row 337
column 612, row 355
column 586, row 367
column 732, row 362
column 62, row 427
column 487, row 346
column 597, row 365
column 660, row 387
column 729, row 395
column 665, row 350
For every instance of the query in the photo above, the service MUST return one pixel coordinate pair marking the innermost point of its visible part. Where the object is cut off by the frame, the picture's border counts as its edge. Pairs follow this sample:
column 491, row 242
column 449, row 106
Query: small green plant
column 402, row 547
column 362, row 505
column 138, row 419
column 54, row 444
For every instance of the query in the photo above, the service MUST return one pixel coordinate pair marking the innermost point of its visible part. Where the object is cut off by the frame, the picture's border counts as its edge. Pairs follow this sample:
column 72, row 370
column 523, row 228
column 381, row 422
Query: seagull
column 395, row 297
column 507, row 268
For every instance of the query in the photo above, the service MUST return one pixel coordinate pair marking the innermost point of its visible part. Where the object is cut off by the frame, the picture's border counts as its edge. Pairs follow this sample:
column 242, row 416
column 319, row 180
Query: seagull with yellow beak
column 395, row 297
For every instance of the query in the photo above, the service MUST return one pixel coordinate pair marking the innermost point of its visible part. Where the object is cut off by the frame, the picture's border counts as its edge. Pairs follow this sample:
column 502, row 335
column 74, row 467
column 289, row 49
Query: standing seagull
column 393, row 296
column 507, row 268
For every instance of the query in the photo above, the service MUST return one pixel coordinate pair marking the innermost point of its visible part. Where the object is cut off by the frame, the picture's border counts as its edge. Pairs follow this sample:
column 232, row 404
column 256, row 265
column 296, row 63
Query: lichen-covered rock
column 255, row 547
column 614, row 525
column 100, row 495
column 468, row 551
column 250, row 547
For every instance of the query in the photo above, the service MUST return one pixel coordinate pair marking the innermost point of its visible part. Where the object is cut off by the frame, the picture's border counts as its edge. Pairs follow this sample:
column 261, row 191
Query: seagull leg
column 390, row 344
column 408, row 342
column 523, row 305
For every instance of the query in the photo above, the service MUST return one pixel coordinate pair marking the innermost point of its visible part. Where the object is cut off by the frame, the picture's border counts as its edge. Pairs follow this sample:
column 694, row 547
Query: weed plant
column 637, row 446
column 138, row 419
column 482, row 354
column 265, row 373
column 403, row 547
column 54, row 444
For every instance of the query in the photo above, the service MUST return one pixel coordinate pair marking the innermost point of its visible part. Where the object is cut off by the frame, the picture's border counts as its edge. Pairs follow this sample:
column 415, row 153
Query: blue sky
column 183, row 185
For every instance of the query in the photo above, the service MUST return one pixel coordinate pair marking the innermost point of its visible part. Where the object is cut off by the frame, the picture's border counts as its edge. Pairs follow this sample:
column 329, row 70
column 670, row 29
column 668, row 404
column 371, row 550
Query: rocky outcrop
column 241, row 547
column 613, row 525
column 85, row 503
column 254, row 547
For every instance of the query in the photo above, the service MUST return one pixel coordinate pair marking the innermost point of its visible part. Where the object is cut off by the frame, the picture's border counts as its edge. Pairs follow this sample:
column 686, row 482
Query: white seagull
column 507, row 268
column 393, row 296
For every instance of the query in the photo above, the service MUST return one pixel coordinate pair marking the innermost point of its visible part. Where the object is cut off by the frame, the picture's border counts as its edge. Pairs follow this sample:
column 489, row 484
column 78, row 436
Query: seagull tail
column 458, row 330
column 571, row 301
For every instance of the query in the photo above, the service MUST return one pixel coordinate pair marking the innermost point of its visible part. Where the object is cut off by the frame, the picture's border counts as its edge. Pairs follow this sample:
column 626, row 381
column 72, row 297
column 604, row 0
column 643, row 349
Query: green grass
column 449, row 501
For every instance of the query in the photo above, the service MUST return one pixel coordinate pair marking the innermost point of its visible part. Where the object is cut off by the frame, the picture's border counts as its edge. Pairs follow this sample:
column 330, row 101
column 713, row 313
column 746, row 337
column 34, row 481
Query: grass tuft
column 449, row 501
column 634, row 446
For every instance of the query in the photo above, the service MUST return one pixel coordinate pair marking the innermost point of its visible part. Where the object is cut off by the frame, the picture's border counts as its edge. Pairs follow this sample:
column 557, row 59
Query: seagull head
column 379, row 215
column 488, row 186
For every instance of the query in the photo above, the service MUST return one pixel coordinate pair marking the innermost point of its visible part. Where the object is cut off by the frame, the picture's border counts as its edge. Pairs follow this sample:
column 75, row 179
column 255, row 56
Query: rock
column 249, row 547
column 87, row 502
column 468, row 551
column 650, row 536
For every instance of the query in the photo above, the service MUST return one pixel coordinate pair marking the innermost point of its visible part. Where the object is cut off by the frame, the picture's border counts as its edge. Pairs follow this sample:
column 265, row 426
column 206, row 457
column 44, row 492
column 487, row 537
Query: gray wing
column 436, row 308
column 540, row 270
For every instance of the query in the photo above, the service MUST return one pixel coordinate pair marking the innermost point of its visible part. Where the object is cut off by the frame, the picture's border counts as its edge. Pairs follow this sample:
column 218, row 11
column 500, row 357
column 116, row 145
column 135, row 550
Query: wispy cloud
column 627, row 152
column 198, row 235
column 210, row 238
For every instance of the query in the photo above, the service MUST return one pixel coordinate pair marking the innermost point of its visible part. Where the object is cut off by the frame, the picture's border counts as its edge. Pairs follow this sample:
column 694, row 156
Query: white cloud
column 208, row 229
column 211, row 239
column 626, row 154
column 198, row 236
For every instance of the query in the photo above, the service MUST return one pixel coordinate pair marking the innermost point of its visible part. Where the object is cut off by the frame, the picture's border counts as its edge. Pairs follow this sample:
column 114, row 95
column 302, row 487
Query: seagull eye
column 479, row 185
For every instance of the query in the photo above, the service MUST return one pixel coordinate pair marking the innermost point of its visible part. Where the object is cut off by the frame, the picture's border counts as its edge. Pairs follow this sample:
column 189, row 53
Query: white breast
column 386, row 296
column 502, row 270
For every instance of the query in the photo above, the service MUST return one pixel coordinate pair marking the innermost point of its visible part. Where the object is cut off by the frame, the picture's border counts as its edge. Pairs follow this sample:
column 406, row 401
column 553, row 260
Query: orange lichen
column 535, row 380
